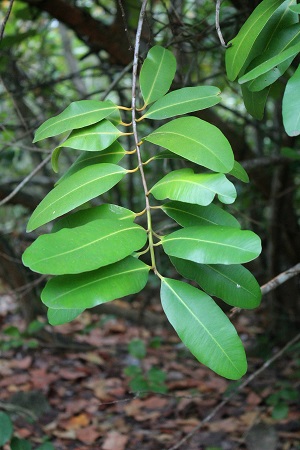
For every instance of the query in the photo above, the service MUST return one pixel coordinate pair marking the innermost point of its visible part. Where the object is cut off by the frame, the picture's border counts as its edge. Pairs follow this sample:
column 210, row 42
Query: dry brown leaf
column 88, row 435
column 76, row 422
column 115, row 441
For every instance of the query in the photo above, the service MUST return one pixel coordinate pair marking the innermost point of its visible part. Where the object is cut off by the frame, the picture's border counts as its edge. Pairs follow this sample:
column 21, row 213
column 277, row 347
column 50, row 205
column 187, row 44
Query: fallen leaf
column 115, row 441
column 88, row 435
column 75, row 422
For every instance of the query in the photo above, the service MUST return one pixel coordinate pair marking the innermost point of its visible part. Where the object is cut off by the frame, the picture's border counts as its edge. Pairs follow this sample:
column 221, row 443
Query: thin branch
column 25, row 181
column 280, row 279
column 6, row 19
column 218, row 6
column 247, row 381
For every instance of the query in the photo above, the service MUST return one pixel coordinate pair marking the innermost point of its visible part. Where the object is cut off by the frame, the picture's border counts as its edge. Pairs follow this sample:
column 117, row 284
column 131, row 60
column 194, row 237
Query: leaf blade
column 186, row 186
column 196, row 140
column 90, row 289
column 80, row 187
column 157, row 74
column 213, row 245
column 76, row 115
column 234, row 284
column 84, row 248
column 203, row 328
column 183, row 101
column 291, row 105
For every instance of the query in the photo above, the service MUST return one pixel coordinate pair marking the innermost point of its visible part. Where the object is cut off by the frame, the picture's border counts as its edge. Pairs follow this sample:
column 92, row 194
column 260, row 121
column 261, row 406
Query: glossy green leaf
column 93, row 138
column 76, row 115
column 105, row 211
column 213, row 245
column 255, row 102
column 234, row 284
column 87, row 247
column 20, row 444
column 77, row 189
column 157, row 73
column 271, row 63
column 239, row 172
column 263, row 23
column 283, row 40
column 291, row 105
column 61, row 316
column 89, row 289
column 184, row 101
column 196, row 140
column 295, row 8
column 186, row 186
column 188, row 215
column 203, row 328
column 54, row 158
column 112, row 155
column 6, row 428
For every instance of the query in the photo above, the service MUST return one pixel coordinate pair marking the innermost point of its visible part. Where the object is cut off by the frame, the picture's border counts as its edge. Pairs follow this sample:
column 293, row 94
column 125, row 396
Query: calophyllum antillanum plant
column 98, row 254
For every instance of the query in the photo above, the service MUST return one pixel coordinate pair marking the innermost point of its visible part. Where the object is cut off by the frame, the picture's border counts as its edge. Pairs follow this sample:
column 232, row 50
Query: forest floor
column 92, row 386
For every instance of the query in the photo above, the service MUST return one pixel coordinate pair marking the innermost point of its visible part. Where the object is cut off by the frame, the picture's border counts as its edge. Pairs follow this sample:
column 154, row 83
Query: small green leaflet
column 89, row 289
column 157, row 73
column 61, row 316
column 76, row 115
column 77, row 189
column 196, row 140
column 255, row 102
column 291, row 105
column 243, row 45
column 186, row 186
column 232, row 283
column 213, row 245
column 6, row 428
column 93, row 138
column 188, row 215
column 283, row 40
column 271, row 63
column 112, row 155
column 203, row 328
column 184, row 101
column 87, row 247
column 105, row 211
column 239, row 172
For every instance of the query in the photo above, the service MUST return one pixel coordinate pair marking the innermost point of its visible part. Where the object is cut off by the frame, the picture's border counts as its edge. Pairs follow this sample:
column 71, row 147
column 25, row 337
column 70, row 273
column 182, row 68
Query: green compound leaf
column 112, row 155
column 251, row 39
column 184, row 101
column 61, row 316
column 77, row 189
column 283, row 40
column 105, row 211
column 77, row 115
column 188, row 215
column 186, row 186
column 93, row 138
column 213, row 245
column 255, row 102
column 196, row 140
column 271, row 63
column 89, row 289
column 6, row 428
column 87, row 247
column 234, row 284
column 157, row 73
column 203, row 328
column 239, row 172
column 291, row 105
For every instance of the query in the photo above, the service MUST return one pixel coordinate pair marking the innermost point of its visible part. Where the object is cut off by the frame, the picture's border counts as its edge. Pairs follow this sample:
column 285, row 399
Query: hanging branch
column 218, row 6
column 239, row 389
